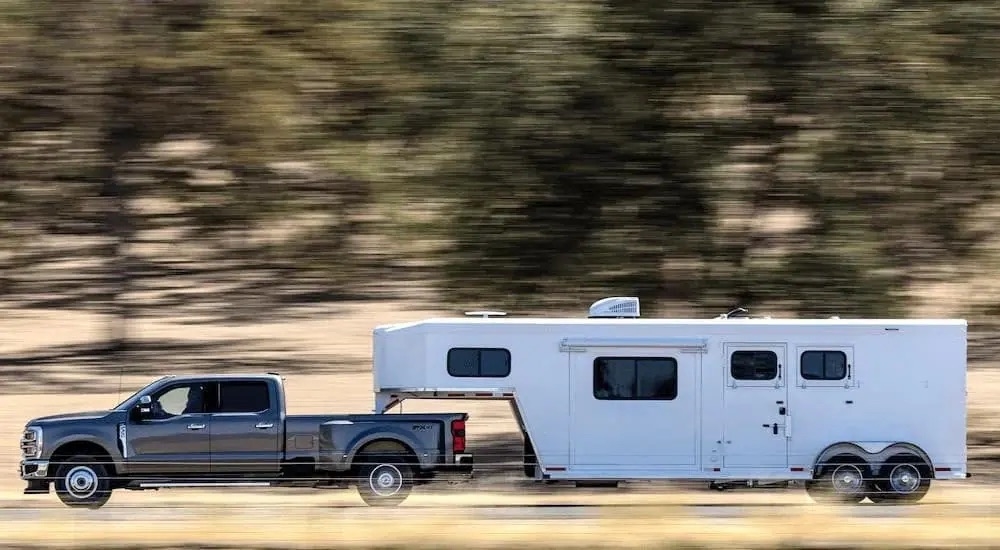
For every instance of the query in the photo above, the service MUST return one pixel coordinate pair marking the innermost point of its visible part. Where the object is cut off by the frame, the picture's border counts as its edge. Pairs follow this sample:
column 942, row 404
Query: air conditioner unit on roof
column 615, row 307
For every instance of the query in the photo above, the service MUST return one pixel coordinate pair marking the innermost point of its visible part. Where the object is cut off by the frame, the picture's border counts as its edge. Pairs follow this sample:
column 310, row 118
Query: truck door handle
column 264, row 425
column 196, row 426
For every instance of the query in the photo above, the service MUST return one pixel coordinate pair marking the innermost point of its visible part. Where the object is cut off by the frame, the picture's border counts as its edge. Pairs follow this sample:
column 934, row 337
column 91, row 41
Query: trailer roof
column 714, row 322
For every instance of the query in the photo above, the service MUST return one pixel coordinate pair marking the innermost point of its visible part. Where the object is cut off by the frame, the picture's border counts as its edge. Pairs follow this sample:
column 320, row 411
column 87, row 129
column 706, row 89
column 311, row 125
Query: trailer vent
column 738, row 312
column 615, row 307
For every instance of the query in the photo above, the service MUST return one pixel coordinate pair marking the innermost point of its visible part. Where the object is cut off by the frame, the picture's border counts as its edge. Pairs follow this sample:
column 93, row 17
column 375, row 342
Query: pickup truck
column 232, row 430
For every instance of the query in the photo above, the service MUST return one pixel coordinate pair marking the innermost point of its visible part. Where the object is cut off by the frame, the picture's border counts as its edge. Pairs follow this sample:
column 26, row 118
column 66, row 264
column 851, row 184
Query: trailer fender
column 874, row 453
column 873, row 447
column 905, row 448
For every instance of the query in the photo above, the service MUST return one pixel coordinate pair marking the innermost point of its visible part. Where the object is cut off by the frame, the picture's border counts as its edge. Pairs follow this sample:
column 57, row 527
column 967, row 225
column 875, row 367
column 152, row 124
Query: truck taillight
column 458, row 435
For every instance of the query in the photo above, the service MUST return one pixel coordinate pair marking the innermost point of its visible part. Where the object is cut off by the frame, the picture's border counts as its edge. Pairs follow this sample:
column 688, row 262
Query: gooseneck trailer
column 851, row 408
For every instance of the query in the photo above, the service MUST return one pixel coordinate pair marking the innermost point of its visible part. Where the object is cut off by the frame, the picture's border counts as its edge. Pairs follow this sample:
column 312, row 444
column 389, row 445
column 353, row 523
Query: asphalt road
column 180, row 512
column 558, row 519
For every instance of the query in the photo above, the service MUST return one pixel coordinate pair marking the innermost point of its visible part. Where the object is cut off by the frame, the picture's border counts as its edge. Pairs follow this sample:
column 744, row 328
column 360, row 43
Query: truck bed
column 333, row 441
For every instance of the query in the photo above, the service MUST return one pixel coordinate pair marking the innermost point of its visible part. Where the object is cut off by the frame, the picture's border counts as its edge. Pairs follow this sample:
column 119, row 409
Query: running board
column 178, row 484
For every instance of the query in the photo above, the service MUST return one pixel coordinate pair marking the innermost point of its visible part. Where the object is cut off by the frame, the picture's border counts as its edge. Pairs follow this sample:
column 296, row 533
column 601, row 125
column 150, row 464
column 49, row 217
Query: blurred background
column 800, row 157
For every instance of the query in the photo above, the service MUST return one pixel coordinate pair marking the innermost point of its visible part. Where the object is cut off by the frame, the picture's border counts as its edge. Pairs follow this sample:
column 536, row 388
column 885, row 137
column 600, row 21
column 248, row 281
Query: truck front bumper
column 36, row 473
column 34, row 469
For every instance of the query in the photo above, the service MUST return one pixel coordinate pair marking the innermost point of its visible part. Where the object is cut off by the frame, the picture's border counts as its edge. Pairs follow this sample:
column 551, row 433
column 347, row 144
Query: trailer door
column 755, row 399
column 633, row 411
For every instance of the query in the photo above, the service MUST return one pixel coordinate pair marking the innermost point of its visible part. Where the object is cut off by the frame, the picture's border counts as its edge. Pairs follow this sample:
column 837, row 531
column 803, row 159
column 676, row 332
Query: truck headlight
column 31, row 442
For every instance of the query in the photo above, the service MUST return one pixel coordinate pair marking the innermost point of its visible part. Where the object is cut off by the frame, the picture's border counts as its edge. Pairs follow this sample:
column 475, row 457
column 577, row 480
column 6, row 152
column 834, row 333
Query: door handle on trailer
column 264, row 425
column 196, row 426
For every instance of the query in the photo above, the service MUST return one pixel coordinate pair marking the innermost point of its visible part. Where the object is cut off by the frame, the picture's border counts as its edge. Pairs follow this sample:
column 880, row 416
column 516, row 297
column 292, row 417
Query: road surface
column 559, row 518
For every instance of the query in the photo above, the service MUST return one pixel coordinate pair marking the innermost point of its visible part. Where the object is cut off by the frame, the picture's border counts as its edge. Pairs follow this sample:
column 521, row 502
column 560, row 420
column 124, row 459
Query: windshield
column 137, row 392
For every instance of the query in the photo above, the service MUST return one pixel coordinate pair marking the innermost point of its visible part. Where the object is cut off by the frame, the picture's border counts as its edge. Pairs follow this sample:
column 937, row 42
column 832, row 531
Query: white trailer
column 852, row 408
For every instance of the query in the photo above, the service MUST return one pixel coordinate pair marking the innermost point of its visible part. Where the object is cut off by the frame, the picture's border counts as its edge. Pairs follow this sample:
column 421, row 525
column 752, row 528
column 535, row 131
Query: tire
column 903, row 479
column 843, row 480
column 384, row 481
column 83, row 482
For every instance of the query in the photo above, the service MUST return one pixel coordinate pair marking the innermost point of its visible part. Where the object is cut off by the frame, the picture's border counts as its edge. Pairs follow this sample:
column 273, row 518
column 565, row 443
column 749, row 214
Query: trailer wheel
column 83, row 482
column 384, row 481
column 844, row 479
column 903, row 479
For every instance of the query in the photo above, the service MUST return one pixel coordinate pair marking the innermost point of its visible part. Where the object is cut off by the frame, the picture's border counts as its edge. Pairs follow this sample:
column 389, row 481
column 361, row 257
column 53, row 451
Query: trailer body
column 616, row 397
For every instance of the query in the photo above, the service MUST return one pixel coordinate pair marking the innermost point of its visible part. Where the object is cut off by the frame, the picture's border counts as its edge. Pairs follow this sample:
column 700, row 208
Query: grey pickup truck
column 232, row 430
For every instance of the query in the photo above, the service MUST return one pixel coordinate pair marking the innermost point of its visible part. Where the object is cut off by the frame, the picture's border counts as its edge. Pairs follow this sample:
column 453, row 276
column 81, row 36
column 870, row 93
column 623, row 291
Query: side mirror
column 144, row 409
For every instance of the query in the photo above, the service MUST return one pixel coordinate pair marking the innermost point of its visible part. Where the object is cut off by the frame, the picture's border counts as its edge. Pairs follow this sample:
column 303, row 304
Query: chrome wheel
column 847, row 479
column 904, row 479
column 385, row 480
column 81, row 482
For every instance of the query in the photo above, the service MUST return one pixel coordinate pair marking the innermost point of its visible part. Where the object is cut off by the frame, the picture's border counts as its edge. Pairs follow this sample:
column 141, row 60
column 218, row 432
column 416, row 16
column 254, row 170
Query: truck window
column 753, row 365
column 244, row 397
column 479, row 362
column 177, row 400
column 823, row 365
column 635, row 378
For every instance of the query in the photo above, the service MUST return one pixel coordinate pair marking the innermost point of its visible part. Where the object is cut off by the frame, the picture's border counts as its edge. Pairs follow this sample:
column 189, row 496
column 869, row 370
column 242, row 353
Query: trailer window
column 753, row 365
column 635, row 378
column 479, row 362
column 823, row 365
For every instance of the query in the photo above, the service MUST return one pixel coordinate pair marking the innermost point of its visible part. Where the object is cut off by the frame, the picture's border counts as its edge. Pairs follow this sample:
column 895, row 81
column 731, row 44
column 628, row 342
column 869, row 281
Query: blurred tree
column 823, row 156
column 95, row 92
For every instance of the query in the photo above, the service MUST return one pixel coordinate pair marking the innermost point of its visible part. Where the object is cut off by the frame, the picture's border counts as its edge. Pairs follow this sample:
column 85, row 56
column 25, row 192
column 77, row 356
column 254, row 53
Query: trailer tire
column 384, row 481
column 903, row 479
column 82, row 481
column 843, row 479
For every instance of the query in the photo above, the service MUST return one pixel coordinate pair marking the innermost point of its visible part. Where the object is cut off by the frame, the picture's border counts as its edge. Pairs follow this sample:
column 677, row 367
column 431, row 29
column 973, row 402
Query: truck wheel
column 83, row 482
column 383, row 481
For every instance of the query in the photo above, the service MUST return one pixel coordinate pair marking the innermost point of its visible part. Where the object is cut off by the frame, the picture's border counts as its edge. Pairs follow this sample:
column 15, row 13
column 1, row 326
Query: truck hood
column 88, row 415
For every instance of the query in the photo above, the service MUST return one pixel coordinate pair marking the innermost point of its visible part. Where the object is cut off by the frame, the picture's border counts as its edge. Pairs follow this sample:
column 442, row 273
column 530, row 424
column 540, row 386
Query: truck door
column 755, row 400
column 175, row 440
column 246, row 427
